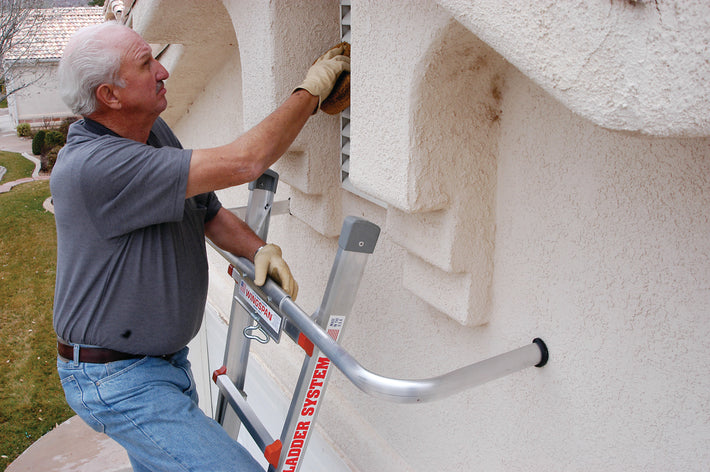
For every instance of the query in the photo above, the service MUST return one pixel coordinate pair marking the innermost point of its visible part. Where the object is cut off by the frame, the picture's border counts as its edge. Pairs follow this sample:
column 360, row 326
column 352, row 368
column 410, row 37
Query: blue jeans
column 149, row 406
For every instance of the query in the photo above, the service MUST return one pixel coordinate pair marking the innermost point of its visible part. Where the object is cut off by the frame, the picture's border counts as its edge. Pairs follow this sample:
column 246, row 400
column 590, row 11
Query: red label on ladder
column 311, row 402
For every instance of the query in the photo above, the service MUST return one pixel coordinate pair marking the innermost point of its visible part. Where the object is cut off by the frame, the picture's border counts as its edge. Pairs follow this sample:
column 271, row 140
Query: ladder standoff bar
column 386, row 388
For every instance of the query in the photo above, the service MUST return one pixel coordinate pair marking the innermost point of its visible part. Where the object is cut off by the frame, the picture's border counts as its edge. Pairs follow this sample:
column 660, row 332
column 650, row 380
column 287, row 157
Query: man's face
column 143, row 76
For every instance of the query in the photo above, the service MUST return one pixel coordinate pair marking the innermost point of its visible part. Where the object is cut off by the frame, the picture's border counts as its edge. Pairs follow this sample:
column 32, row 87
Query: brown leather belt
column 94, row 355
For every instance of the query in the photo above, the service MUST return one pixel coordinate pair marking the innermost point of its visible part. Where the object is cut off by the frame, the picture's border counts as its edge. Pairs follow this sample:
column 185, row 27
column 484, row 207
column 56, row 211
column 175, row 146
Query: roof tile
column 58, row 25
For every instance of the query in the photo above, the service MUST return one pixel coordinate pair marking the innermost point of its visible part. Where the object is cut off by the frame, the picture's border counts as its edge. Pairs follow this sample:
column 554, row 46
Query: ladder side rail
column 236, row 343
column 303, row 412
column 357, row 241
column 394, row 389
column 257, row 216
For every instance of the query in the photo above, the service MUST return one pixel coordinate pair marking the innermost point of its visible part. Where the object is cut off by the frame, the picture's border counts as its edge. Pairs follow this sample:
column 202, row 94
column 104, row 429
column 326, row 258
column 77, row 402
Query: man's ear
column 106, row 96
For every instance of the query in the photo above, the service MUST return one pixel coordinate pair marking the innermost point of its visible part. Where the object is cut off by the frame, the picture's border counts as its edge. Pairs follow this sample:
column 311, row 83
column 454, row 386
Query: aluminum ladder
column 264, row 313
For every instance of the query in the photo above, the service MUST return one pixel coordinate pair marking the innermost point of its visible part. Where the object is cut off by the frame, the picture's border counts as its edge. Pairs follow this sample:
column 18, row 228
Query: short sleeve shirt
column 131, row 262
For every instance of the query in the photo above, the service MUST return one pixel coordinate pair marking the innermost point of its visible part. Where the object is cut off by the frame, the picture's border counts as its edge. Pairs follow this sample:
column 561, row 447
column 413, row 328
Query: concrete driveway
column 9, row 141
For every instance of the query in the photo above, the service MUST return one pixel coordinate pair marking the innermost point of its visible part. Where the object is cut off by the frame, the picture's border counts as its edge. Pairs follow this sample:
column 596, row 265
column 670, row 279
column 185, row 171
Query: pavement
column 9, row 141
column 71, row 446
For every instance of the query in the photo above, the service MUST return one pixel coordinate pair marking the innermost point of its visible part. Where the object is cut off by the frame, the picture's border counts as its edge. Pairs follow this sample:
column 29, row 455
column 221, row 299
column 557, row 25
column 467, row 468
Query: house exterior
column 33, row 65
column 538, row 169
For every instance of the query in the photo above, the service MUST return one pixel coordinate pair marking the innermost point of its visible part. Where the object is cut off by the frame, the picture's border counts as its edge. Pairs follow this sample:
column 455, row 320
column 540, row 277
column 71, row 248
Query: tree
column 20, row 20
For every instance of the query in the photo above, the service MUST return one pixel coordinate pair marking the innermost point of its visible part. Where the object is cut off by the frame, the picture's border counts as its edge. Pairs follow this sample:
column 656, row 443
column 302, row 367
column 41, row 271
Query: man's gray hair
column 91, row 58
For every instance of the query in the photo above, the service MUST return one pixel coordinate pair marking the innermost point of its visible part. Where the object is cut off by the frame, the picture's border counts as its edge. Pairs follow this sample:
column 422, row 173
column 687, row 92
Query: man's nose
column 161, row 73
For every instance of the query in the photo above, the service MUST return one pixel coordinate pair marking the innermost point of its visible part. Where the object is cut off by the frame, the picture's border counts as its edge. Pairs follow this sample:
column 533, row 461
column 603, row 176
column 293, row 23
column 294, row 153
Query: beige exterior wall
column 534, row 186
column 40, row 100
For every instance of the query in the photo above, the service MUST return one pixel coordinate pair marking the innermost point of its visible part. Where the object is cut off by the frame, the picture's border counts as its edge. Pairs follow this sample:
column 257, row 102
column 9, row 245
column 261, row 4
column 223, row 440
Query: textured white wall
column 637, row 65
column 593, row 239
column 601, row 248
column 602, row 242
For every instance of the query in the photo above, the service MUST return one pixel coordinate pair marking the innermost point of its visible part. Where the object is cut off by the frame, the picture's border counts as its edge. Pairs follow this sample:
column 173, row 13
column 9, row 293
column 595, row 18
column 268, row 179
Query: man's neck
column 124, row 126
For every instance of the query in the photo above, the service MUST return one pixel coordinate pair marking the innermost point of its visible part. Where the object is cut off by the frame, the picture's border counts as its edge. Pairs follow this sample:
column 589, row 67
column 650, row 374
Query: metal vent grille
column 345, row 115
column 345, row 34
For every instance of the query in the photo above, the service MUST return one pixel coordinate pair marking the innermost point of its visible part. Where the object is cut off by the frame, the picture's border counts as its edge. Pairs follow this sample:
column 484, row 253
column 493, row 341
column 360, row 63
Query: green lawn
column 16, row 165
column 31, row 398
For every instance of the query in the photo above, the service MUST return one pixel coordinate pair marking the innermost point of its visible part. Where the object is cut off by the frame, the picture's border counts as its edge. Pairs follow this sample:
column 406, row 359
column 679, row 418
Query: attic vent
column 346, row 35
column 345, row 115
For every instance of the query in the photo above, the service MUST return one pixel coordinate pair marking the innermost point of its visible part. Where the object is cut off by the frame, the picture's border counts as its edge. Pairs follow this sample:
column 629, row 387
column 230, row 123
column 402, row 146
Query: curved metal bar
column 392, row 389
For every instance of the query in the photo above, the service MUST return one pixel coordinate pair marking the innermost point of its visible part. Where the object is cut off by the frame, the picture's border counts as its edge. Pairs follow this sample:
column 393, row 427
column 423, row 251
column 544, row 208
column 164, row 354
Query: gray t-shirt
column 131, row 263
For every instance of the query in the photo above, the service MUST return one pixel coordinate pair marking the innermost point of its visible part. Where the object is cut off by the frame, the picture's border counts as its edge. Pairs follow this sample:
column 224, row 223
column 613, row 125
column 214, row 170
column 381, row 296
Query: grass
column 16, row 165
column 31, row 398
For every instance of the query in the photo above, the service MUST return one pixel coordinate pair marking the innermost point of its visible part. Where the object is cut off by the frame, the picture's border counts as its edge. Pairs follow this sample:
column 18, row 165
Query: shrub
column 54, row 138
column 47, row 161
column 24, row 130
column 38, row 142
column 64, row 126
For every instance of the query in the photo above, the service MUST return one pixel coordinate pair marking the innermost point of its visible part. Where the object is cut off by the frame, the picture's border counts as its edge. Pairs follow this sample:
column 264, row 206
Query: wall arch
column 449, row 227
column 199, row 39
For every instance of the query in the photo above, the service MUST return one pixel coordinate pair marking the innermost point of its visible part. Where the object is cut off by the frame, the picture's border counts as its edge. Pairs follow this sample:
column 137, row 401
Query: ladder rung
column 270, row 447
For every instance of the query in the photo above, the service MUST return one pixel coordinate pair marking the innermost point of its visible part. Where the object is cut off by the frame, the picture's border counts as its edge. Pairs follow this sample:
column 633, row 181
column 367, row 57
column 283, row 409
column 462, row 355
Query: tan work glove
column 324, row 72
column 268, row 261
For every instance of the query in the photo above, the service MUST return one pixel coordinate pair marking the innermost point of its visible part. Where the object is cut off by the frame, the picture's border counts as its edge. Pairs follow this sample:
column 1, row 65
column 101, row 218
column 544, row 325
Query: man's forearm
column 232, row 234
column 246, row 158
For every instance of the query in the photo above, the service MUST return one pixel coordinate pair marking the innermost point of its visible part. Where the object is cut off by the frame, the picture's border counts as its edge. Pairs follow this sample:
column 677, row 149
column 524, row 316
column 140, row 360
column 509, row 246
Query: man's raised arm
column 247, row 157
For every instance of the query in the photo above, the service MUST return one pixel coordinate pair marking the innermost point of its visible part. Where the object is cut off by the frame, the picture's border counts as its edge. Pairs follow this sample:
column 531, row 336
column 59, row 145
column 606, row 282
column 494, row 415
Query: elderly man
column 132, row 210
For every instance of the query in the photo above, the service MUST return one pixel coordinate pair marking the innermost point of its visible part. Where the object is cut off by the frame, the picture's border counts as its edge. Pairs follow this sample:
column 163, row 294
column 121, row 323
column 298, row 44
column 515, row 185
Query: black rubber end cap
column 544, row 353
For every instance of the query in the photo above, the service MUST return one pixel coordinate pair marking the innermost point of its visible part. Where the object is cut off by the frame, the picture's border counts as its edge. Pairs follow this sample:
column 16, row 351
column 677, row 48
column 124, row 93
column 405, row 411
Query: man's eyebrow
column 143, row 53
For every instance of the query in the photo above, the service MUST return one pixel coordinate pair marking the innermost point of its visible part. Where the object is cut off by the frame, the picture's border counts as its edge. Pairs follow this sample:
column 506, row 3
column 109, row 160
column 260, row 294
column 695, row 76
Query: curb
column 38, row 164
column 6, row 187
column 48, row 205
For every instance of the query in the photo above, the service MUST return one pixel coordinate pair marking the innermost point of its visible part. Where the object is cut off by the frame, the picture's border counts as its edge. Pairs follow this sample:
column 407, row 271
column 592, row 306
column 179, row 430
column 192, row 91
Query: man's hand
column 324, row 72
column 268, row 261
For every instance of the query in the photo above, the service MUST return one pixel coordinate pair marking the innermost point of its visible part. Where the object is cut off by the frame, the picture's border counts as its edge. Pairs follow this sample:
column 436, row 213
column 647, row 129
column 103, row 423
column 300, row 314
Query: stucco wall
column 511, row 213
column 636, row 65
column 602, row 242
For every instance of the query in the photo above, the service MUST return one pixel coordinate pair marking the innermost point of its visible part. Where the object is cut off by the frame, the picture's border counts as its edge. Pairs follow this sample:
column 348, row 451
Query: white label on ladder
column 310, row 405
column 269, row 316
column 335, row 324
